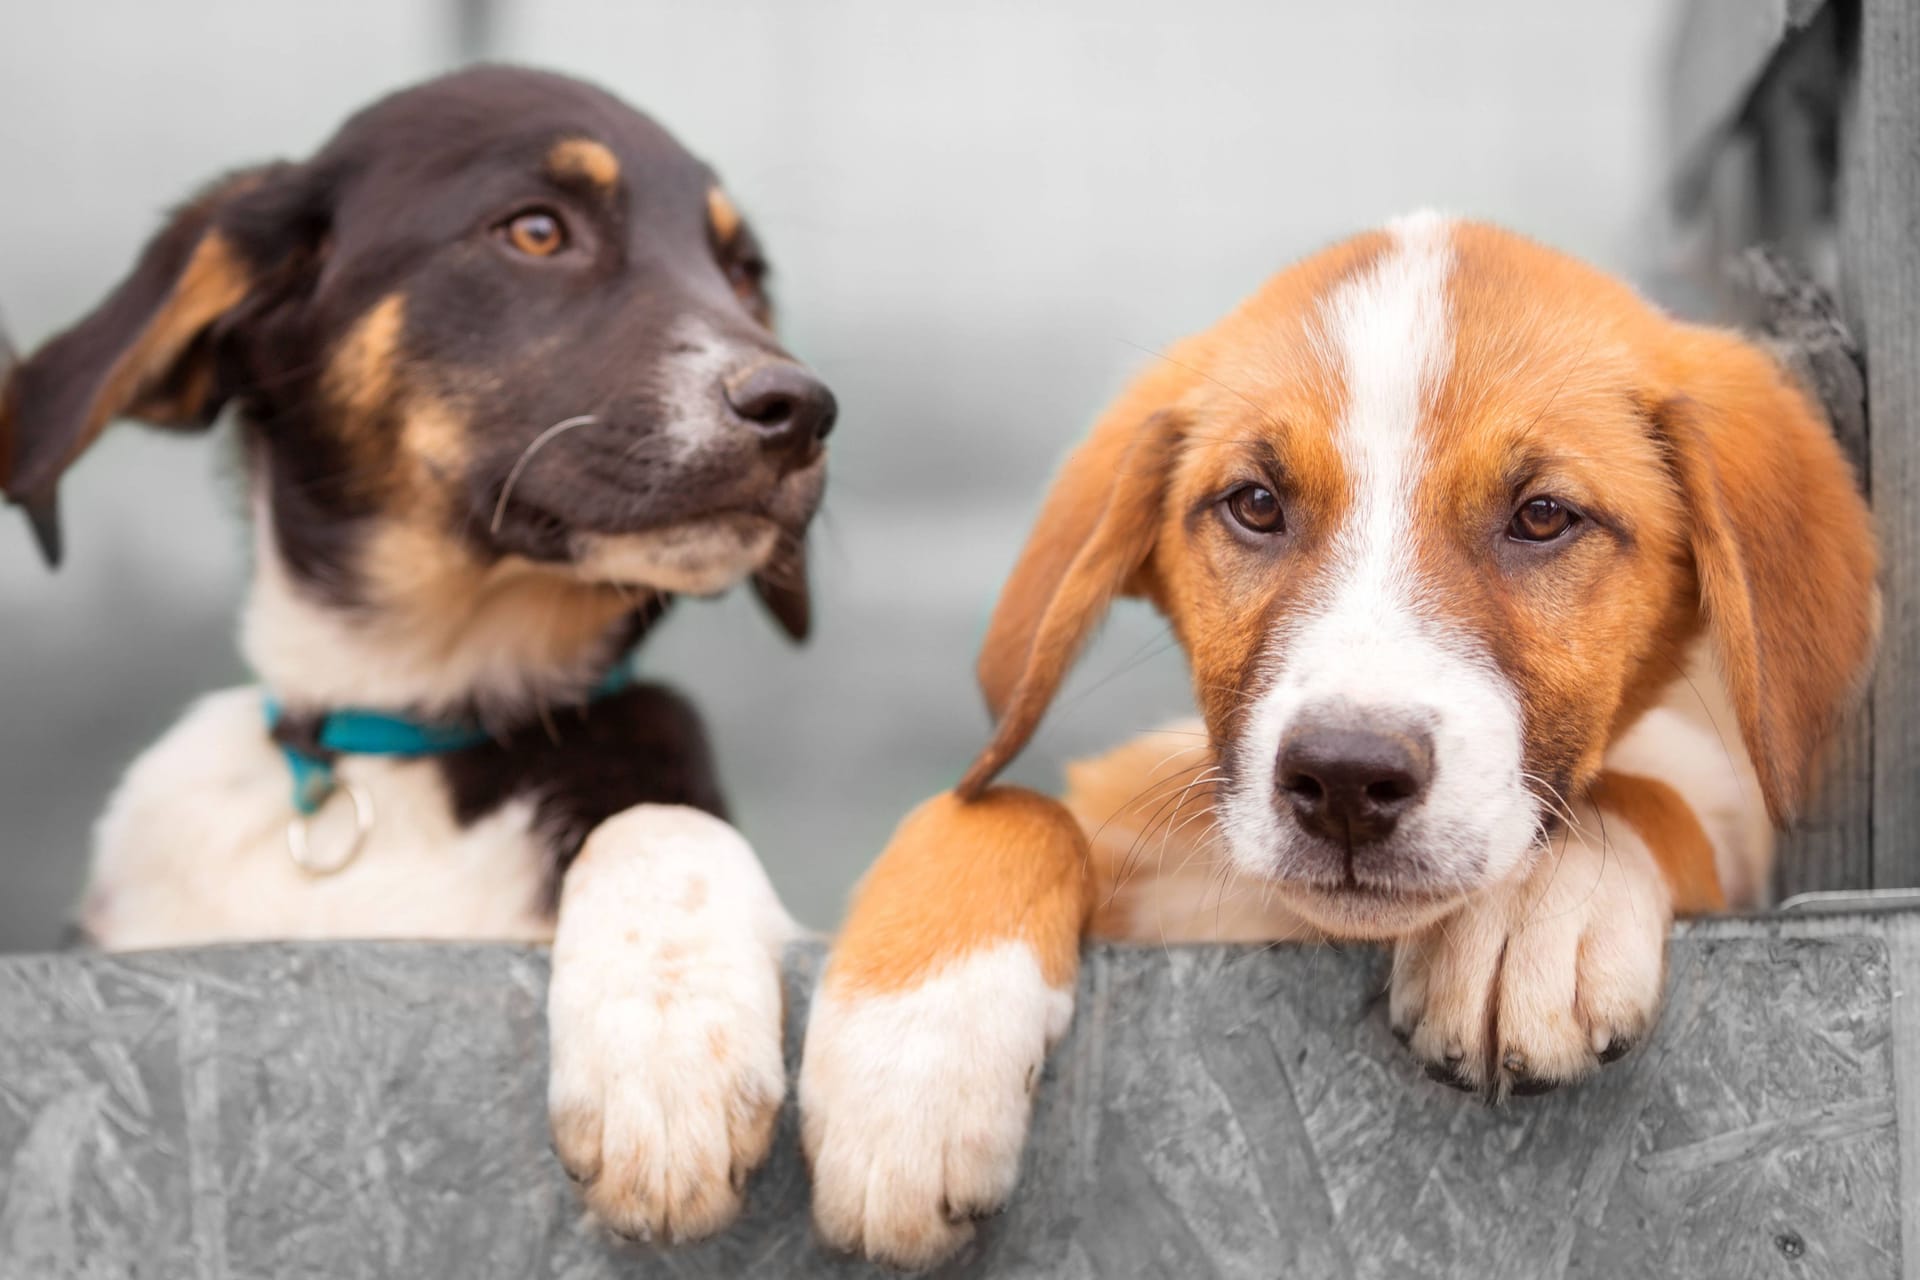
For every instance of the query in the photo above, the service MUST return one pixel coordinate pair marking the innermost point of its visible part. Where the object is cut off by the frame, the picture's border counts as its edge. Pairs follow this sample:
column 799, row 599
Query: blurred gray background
column 978, row 215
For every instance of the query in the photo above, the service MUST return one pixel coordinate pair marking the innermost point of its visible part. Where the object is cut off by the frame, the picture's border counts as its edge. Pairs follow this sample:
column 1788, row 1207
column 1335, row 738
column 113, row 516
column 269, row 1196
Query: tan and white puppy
column 503, row 369
column 1515, row 610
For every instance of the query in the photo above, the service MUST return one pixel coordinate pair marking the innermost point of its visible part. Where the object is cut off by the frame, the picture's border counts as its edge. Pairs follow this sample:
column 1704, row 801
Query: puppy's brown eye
column 538, row 233
column 1256, row 509
column 1540, row 520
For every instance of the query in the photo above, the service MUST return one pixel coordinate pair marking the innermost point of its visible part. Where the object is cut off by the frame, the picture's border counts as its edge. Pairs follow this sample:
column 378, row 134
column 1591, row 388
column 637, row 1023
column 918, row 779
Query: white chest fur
column 192, row 848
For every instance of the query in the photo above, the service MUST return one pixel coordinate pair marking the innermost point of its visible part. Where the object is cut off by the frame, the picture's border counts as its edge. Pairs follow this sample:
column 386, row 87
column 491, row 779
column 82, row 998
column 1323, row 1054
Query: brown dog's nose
column 1351, row 784
column 791, row 409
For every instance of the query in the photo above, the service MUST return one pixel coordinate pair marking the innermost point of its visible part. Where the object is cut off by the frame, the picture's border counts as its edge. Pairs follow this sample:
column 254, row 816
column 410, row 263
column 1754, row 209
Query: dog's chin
column 701, row 557
column 1365, row 913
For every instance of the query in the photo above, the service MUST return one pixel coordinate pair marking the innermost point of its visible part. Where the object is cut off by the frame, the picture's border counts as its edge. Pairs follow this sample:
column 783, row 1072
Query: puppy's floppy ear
column 44, row 520
column 1783, row 548
column 1092, row 542
column 782, row 588
column 151, row 350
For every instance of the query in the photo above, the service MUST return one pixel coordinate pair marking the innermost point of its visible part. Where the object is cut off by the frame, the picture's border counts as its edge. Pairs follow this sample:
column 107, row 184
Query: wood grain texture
column 1880, row 287
column 1831, row 845
column 1903, row 949
column 377, row 1110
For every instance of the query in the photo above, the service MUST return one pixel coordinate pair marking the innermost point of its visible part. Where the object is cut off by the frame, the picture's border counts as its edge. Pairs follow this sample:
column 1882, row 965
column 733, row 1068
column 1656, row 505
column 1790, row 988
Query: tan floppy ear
column 1091, row 543
column 1783, row 548
column 147, row 352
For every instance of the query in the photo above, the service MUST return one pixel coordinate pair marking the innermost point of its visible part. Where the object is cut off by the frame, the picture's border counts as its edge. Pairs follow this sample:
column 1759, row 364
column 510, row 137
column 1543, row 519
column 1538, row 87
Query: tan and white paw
column 664, row 1014
column 1540, row 982
column 914, row 1103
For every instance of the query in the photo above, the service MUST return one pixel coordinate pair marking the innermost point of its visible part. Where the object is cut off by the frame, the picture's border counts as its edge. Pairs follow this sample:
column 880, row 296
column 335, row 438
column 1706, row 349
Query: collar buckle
column 311, row 744
column 299, row 831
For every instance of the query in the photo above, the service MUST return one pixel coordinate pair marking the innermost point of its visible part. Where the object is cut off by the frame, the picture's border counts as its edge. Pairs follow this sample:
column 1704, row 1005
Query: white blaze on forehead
column 1387, row 333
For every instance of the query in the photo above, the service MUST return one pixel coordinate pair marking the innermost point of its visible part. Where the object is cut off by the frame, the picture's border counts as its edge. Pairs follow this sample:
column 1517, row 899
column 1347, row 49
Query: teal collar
column 312, row 745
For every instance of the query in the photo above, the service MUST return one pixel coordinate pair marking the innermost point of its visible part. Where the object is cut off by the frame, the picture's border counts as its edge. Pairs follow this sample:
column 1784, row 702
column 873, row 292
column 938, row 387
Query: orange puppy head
column 1436, row 514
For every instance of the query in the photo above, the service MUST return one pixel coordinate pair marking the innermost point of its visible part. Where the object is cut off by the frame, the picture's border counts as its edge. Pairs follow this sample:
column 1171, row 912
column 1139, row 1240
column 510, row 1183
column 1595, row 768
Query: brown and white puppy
column 501, row 361
column 1514, row 610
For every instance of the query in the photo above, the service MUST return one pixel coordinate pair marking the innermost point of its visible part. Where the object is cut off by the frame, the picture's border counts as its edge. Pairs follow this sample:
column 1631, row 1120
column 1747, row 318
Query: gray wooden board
column 1903, row 947
column 377, row 1110
column 1880, row 285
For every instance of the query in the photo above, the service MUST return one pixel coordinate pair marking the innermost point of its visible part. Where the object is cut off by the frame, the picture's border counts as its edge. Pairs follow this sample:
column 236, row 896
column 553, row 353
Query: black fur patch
column 645, row 745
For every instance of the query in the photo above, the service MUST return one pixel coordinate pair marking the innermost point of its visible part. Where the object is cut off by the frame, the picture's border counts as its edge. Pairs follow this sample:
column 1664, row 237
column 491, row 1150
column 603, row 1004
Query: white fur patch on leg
column 664, row 1014
column 914, row 1103
column 1540, row 981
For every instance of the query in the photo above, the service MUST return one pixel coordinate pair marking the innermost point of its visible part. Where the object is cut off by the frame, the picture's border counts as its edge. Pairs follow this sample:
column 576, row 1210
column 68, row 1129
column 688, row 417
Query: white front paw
column 665, row 1020
column 914, row 1102
column 1540, row 982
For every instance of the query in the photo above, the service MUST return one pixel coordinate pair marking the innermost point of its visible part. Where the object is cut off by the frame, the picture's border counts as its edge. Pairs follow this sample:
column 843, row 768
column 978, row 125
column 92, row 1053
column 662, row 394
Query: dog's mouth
column 704, row 555
column 675, row 541
column 1389, row 890
column 1373, row 891
column 1363, row 909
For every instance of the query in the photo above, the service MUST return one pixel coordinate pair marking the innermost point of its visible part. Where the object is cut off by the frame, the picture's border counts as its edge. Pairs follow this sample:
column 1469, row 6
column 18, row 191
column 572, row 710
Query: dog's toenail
column 1515, row 1062
column 1532, row 1086
column 1402, row 1034
column 958, row 1214
column 1617, row 1048
column 1455, row 1056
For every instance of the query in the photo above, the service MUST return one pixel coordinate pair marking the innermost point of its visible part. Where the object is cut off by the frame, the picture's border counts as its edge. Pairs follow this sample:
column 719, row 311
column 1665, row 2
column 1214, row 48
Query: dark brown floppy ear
column 782, row 588
column 148, row 351
column 1783, row 548
column 1091, row 543
column 45, row 524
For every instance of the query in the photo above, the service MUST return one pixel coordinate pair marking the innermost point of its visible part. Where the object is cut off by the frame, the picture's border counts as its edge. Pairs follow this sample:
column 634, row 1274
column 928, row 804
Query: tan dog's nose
column 1349, row 783
column 791, row 409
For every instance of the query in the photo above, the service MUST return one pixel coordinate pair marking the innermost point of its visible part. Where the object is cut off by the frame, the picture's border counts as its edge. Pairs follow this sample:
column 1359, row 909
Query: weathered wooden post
column 1879, row 202
column 1796, row 124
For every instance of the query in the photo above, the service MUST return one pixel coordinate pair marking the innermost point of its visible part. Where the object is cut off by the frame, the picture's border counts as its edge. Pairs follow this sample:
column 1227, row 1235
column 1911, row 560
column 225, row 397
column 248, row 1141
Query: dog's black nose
column 791, row 409
column 1351, row 784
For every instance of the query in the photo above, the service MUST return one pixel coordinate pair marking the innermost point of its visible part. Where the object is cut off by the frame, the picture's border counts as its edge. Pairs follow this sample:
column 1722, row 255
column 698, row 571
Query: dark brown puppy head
column 500, row 319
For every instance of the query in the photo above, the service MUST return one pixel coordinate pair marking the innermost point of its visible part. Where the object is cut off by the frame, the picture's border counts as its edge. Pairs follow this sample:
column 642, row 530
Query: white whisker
column 526, row 455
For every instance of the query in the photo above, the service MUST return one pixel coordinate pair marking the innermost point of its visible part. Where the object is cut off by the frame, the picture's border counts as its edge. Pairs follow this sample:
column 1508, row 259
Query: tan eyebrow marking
column 583, row 158
column 721, row 213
